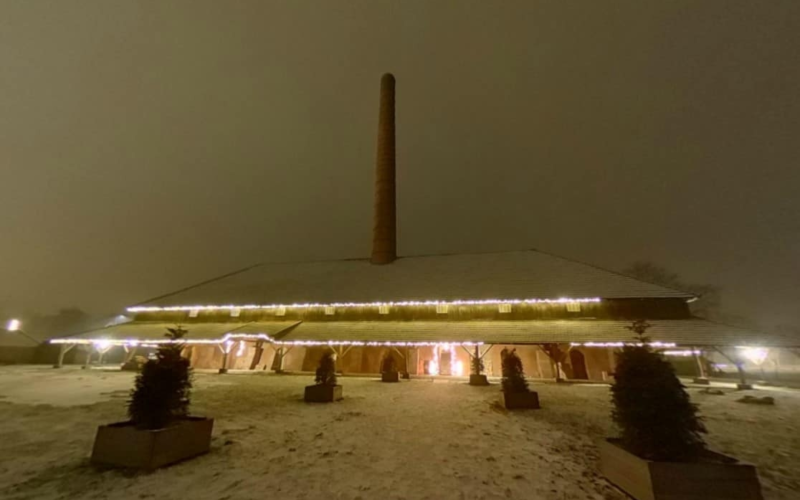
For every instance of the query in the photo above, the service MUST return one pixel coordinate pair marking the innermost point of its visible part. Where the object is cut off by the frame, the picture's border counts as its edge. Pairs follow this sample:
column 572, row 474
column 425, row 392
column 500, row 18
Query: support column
column 701, row 377
column 742, row 385
column 277, row 362
column 739, row 364
column 88, row 357
column 62, row 350
column 259, row 351
column 129, row 354
column 226, row 349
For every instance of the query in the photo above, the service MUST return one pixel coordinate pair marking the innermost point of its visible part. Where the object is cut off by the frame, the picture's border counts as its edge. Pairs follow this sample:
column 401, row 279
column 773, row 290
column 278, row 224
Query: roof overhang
column 693, row 332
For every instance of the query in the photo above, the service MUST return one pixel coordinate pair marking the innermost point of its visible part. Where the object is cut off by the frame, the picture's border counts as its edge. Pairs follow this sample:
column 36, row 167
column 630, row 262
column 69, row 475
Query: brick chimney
column 384, row 230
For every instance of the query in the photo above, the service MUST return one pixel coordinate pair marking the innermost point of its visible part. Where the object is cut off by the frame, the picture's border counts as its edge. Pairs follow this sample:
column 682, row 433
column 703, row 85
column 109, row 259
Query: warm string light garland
column 409, row 303
column 623, row 344
column 229, row 338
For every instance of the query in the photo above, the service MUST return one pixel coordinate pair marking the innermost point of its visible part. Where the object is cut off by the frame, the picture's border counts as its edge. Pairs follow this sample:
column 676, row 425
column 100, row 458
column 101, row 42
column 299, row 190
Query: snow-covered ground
column 419, row 439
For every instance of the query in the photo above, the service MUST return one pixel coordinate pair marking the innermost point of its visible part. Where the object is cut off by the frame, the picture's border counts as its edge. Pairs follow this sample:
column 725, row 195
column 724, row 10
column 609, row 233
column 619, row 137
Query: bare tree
column 710, row 295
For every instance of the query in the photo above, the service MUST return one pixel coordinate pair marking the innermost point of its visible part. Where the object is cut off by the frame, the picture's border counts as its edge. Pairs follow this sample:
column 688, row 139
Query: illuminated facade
column 434, row 313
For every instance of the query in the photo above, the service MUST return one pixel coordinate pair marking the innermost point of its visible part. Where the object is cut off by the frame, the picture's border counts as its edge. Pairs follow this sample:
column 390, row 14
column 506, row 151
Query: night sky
column 145, row 146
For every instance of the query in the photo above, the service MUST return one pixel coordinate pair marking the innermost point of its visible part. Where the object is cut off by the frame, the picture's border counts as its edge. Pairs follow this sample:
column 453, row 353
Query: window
column 280, row 311
column 383, row 309
column 441, row 308
column 573, row 307
column 504, row 308
column 235, row 312
column 330, row 311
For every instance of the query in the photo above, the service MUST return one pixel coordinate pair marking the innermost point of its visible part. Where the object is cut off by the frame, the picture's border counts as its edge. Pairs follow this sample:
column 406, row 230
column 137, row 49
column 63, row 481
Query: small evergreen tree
column 326, row 371
column 162, row 390
column 651, row 406
column 513, row 375
column 389, row 364
column 477, row 365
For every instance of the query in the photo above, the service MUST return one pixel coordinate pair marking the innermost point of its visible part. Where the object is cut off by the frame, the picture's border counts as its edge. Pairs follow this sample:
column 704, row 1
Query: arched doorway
column 578, row 362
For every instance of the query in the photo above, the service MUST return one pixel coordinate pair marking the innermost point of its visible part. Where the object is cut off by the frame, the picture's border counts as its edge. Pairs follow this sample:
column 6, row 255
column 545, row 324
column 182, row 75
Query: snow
column 437, row 439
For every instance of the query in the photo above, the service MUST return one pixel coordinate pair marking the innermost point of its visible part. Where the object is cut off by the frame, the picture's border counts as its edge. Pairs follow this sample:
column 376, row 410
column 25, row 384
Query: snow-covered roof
column 684, row 332
column 144, row 331
column 527, row 274
column 15, row 339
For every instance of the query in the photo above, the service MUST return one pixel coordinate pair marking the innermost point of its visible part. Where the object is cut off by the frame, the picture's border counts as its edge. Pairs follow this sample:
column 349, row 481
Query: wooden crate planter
column 521, row 400
column 721, row 479
column 321, row 393
column 123, row 445
column 390, row 377
column 478, row 380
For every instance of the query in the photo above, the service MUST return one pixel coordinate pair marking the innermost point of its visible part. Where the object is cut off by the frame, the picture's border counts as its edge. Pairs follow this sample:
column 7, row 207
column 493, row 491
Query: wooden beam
column 259, row 351
column 345, row 351
column 129, row 354
column 224, row 368
column 701, row 369
column 739, row 367
column 62, row 350
column 88, row 357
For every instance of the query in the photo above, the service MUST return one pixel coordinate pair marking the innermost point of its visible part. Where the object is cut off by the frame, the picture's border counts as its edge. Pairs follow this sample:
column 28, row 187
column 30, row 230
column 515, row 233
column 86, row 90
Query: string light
column 230, row 337
column 682, row 353
column 409, row 303
column 623, row 344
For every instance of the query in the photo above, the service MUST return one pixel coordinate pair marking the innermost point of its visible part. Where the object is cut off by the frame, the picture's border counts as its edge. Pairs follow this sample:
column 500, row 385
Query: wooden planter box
column 647, row 480
column 390, row 377
column 521, row 400
column 320, row 393
column 123, row 445
column 478, row 380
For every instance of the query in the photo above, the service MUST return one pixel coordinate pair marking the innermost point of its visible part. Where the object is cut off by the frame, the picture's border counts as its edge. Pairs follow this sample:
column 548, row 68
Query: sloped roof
column 155, row 330
column 686, row 332
column 527, row 274
column 15, row 339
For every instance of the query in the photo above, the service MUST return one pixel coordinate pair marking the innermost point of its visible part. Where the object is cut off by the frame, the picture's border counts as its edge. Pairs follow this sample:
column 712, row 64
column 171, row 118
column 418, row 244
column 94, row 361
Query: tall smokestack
column 384, row 230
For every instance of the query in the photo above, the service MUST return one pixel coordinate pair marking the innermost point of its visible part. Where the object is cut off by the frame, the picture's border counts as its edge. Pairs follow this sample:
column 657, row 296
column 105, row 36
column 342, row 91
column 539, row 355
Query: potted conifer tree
column 516, row 394
column 389, row 371
column 661, row 453
column 160, row 430
column 477, row 376
column 325, row 390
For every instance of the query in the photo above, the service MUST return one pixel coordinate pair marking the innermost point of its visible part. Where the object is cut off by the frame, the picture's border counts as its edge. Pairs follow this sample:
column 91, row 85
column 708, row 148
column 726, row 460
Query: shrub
column 513, row 376
column 477, row 365
column 161, row 392
column 326, row 371
column 389, row 364
column 651, row 406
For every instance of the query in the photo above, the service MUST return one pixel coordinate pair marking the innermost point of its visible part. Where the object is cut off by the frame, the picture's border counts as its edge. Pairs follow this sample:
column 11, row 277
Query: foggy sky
column 145, row 146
